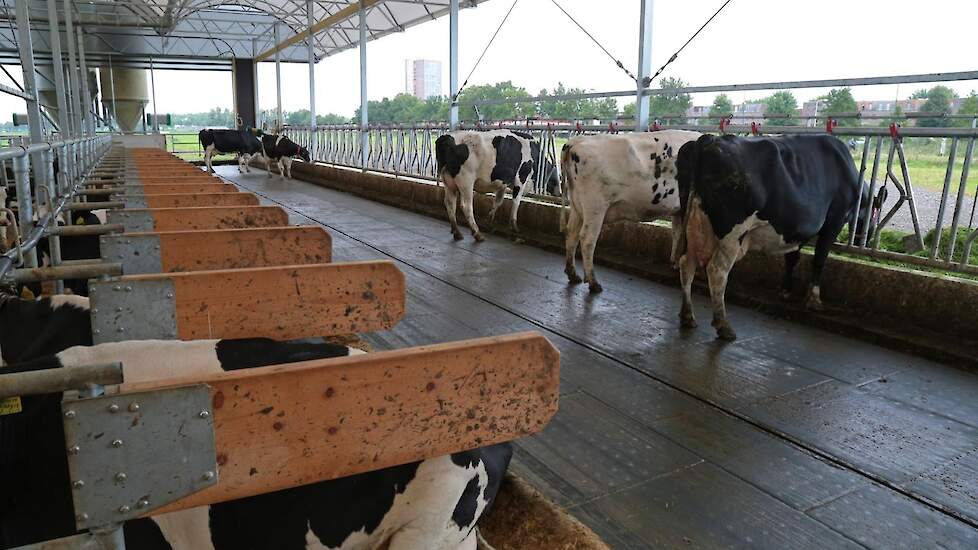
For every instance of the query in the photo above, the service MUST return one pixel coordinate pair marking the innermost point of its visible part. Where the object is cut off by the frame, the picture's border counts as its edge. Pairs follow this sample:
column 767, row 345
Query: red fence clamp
column 755, row 128
column 579, row 128
column 831, row 124
column 724, row 122
column 895, row 131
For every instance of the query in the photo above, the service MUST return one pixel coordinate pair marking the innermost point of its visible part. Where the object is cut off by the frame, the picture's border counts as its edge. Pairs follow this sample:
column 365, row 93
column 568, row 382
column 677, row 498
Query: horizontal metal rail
column 61, row 272
column 39, row 382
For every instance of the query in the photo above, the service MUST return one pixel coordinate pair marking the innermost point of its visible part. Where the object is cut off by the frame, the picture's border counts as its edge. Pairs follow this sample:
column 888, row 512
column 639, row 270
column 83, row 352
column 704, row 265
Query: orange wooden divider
column 175, row 200
column 242, row 248
column 286, row 302
column 169, row 188
column 207, row 217
column 288, row 425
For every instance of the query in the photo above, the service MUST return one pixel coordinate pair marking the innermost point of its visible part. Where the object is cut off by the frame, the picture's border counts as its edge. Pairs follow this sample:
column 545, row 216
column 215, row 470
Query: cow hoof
column 814, row 304
column 725, row 333
column 574, row 279
column 785, row 295
column 457, row 236
column 687, row 322
column 479, row 237
column 595, row 288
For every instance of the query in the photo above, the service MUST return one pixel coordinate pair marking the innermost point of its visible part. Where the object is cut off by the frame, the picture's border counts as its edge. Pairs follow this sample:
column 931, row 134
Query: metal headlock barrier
column 407, row 150
column 184, row 257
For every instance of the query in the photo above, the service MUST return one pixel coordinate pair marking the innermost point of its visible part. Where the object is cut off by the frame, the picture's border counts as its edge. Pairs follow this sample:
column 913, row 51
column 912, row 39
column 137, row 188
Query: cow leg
column 281, row 168
column 717, row 271
column 677, row 231
column 822, row 245
column 288, row 166
column 466, row 194
column 451, row 202
column 247, row 163
column 687, row 272
column 572, row 236
column 496, row 203
column 208, row 153
column 517, row 198
column 240, row 163
column 591, row 230
column 787, row 284
column 268, row 167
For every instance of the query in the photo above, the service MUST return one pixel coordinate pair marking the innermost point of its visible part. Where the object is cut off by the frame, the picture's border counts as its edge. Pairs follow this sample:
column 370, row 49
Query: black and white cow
column 34, row 328
column 242, row 142
column 80, row 247
column 772, row 194
column 5, row 237
column 614, row 178
column 472, row 162
column 283, row 151
column 432, row 504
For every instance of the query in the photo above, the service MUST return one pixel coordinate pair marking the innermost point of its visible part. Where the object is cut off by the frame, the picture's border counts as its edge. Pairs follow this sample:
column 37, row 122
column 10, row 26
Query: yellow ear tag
column 27, row 294
column 10, row 405
column 80, row 221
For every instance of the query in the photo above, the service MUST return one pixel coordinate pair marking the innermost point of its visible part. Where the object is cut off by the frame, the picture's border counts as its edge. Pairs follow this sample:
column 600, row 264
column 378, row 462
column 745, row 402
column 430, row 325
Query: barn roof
column 202, row 33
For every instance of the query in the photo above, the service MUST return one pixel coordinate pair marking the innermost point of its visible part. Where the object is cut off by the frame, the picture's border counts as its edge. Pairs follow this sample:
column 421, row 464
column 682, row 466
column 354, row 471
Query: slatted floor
column 789, row 438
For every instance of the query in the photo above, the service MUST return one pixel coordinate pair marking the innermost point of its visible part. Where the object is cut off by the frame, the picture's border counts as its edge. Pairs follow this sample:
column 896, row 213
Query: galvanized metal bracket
column 108, row 539
column 132, row 453
column 137, row 253
column 133, row 221
column 133, row 310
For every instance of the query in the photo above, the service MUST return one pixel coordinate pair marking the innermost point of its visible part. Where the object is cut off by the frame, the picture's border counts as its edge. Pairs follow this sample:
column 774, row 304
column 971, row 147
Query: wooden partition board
column 287, row 425
column 185, row 200
column 199, row 218
column 180, row 251
column 282, row 302
column 169, row 189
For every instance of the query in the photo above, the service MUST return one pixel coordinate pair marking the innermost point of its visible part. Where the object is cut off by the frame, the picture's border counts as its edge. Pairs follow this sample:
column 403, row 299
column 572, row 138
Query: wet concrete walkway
column 789, row 438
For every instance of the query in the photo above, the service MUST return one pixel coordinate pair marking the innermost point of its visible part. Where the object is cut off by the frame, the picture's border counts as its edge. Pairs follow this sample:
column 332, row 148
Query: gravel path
column 928, row 204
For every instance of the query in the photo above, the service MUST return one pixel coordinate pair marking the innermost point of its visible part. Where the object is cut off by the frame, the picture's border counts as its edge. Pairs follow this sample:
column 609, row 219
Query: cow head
column 304, row 154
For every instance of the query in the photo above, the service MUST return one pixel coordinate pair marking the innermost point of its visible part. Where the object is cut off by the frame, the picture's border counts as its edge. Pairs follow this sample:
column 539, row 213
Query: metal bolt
column 95, row 310
column 120, row 477
column 204, row 414
column 169, row 295
column 69, row 414
column 97, row 331
column 74, row 449
column 208, row 475
column 142, row 503
column 133, row 407
column 128, row 288
column 124, row 509
column 113, row 408
column 81, row 518
column 118, row 309
column 78, row 484
column 116, row 287
column 117, row 443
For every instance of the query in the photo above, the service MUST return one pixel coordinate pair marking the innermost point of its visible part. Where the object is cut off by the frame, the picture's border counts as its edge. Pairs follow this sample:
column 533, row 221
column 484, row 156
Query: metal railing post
column 25, row 207
column 54, row 242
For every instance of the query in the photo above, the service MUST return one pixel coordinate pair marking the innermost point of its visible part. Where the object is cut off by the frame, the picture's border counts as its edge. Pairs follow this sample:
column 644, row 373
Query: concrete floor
column 789, row 438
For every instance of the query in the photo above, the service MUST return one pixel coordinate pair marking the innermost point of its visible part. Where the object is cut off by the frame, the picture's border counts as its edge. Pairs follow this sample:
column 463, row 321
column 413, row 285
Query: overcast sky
column 750, row 41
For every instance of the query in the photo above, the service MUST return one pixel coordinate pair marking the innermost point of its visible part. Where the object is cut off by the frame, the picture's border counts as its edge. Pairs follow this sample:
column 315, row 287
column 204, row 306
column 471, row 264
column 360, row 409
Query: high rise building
column 422, row 78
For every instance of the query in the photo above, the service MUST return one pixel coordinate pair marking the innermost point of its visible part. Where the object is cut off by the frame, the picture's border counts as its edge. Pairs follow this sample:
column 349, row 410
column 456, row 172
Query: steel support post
column 54, row 242
column 64, row 127
column 25, row 210
column 364, row 116
column 74, row 79
column 278, row 83
column 86, row 92
column 311, row 46
column 152, row 87
column 30, row 83
column 644, row 66
column 453, row 63
column 112, row 91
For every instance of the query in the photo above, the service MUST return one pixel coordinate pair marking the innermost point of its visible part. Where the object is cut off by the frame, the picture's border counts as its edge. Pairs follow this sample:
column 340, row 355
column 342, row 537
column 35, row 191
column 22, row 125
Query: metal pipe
column 85, row 271
column 311, row 45
column 86, row 230
column 944, row 195
column 644, row 66
column 39, row 382
column 59, row 81
column 30, row 83
column 364, row 116
column 872, row 191
column 278, row 83
column 453, row 63
column 86, row 95
column 152, row 85
column 115, row 115
column 54, row 242
column 958, row 207
column 25, row 208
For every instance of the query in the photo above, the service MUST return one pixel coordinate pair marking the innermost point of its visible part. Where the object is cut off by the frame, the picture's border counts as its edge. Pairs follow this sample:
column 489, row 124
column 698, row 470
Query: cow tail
column 565, row 184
